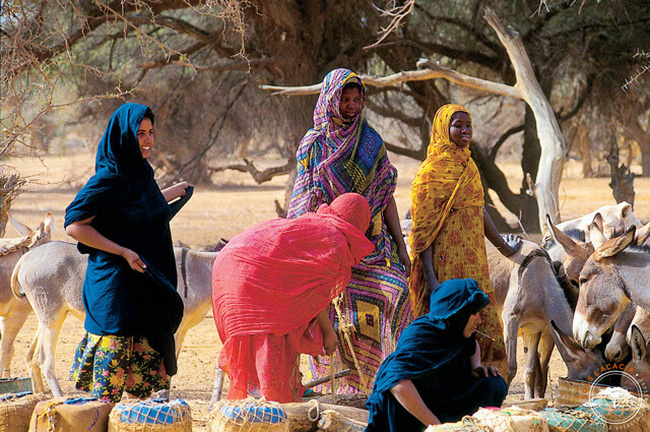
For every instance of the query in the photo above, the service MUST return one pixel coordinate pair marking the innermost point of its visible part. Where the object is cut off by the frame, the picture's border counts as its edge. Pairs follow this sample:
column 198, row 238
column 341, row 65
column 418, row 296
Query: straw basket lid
column 151, row 416
column 255, row 415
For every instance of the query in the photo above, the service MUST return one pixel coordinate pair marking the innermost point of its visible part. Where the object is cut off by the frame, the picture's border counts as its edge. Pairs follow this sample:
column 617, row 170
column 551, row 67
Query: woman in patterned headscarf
column 450, row 222
column 342, row 153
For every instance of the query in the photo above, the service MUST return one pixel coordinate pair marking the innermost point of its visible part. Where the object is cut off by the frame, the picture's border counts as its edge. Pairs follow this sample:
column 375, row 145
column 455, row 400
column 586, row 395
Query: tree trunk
column 622, row 182
column 553, row 148
column 530, row 160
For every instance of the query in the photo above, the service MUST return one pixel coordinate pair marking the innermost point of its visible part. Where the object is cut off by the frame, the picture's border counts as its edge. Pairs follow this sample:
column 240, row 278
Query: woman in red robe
column 271, row 290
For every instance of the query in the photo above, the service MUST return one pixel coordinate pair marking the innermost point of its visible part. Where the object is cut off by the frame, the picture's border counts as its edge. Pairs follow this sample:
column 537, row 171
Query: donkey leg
column 531, row 342
column 48, row 339
column 546, row 345
column 33, row 363
column 10, row 325
column 511, row 327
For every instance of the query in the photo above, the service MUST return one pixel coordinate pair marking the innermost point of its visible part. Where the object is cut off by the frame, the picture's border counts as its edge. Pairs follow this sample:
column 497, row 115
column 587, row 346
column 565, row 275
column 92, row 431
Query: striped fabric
column 337, row 157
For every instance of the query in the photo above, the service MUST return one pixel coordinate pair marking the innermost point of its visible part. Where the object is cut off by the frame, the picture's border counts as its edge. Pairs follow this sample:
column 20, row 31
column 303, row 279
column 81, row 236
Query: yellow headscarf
column 447, row 179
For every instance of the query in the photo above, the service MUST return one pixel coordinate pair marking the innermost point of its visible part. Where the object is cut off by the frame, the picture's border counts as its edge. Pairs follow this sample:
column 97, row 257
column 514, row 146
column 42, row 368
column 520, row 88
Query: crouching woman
column 435, row 376
column 271, row 290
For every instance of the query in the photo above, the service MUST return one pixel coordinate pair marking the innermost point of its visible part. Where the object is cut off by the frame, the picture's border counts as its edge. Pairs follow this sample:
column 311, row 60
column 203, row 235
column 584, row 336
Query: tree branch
column 502, row 139
column 259, row 176
column 385, row 111
column 433, row 71
column 420, row 154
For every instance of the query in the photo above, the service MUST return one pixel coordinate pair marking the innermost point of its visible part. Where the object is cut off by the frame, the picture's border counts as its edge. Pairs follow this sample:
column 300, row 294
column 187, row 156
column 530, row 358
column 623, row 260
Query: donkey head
column 580, row 362
column 640, row 363
column 602, row 297
column 576, row 252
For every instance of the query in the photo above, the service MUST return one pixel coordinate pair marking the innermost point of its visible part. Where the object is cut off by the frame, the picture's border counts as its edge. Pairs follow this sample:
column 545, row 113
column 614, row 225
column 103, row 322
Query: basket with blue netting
column 250, row 415
column 151, row 416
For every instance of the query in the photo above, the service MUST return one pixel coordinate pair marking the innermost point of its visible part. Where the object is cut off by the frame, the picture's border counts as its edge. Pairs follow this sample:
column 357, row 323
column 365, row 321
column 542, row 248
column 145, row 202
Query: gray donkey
column 14, row 311
column 51, row 277
column 532, row 301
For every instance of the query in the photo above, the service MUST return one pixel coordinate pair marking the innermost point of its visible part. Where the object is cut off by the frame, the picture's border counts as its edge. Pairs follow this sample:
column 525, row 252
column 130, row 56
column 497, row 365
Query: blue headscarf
column 130, row 210
column 434, row 339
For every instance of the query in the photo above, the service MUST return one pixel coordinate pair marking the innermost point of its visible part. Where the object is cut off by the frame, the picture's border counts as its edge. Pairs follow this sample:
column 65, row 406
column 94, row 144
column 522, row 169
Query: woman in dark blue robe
column 434, row 375
column 121, row 220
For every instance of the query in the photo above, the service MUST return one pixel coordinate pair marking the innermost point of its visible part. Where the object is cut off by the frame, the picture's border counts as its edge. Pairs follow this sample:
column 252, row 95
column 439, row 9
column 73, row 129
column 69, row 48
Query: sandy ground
column 222, row 212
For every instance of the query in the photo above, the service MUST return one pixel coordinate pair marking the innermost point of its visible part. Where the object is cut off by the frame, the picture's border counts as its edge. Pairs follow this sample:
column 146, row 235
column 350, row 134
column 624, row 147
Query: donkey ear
column 48, row 223
column 567, row 242
column 566, row 345
column 615, row 245
column 596, row 235
column 643, row 234
column 637, row 343
column 626, row 209
column 22, row 229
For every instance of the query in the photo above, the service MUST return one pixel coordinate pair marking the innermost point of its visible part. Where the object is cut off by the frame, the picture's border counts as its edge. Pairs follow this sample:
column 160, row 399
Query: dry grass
column 223, row 212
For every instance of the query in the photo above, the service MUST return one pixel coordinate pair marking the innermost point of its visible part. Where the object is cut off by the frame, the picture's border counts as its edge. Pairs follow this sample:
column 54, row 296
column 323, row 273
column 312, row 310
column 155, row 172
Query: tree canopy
column 199, row 64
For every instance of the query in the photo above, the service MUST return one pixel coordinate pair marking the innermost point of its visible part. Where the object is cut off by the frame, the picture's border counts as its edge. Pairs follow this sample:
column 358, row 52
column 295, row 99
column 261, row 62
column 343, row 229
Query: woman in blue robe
column 121, row 220
column 434, row 375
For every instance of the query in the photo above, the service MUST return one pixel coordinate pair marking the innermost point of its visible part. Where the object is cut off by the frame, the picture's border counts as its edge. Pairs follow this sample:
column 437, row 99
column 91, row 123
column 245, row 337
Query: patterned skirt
column 368, row 317
column 109, row 365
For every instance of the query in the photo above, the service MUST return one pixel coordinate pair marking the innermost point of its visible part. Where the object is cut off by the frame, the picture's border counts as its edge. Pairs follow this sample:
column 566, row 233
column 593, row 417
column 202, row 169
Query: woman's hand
column 134, row 260
column 405, row 260
column 330, row 342
column 485, row 371
column 512, row 243
column 175, row 191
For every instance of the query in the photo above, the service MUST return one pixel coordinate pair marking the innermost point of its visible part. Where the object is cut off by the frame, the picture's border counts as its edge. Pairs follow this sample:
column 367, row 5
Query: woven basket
column 250, row 415
column 573, row 420
column 70, row 415
column 151, row 416
column 572, row 393
column 16, row 411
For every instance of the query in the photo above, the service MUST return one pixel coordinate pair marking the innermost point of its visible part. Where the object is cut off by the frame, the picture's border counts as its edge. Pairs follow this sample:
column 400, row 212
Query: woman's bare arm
column 330, row 340
column 427, row 268
column 175, row 191
column 394, row 228
column 409, row 397
column 492, row 234
column 84, row 233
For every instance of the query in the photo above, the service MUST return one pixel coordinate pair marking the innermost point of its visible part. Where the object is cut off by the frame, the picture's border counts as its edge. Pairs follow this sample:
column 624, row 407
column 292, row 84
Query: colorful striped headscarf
column 447, row 179
column 336, row 157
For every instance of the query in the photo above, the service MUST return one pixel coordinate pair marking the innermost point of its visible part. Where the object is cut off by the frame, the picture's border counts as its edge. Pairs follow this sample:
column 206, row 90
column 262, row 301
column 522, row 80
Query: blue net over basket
column 150, row 412
column 254, row 413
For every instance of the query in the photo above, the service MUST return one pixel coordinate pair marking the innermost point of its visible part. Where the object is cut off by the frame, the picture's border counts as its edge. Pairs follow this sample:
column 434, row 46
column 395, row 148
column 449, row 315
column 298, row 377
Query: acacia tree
column 198, row 64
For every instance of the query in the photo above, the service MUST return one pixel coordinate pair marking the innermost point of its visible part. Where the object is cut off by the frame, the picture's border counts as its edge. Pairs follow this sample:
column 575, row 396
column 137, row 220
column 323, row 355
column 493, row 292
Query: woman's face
column 145, row 137
column 472, row 323
column 350, row 105
column 460, row 129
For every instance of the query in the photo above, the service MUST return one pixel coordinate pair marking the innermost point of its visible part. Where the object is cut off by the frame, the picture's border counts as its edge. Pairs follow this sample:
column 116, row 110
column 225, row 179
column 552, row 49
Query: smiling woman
column 145, row 136
column 121, row 220
column 450, row 223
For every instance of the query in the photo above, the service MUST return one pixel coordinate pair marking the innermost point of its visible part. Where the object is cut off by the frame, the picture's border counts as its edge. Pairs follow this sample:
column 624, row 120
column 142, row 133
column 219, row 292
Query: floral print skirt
column 109, row 365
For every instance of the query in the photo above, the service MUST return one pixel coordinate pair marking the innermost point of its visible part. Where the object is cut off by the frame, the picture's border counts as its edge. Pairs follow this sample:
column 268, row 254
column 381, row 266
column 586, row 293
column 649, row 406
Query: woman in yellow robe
column 450, row 223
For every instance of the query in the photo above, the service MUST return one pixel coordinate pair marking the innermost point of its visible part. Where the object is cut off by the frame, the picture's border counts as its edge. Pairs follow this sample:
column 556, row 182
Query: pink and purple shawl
column 336, row 157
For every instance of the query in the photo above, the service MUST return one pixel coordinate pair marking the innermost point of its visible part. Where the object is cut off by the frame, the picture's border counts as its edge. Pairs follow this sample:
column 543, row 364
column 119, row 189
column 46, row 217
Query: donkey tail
column 15, row 285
